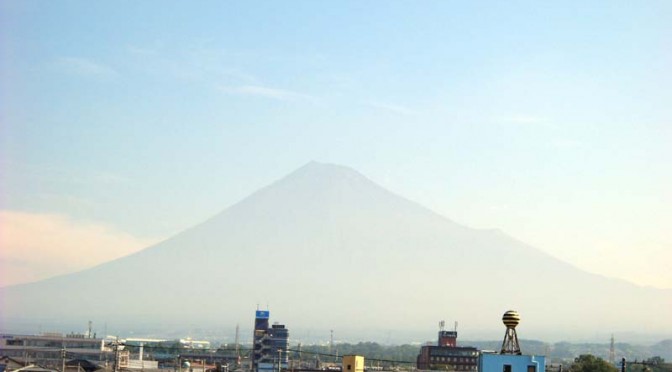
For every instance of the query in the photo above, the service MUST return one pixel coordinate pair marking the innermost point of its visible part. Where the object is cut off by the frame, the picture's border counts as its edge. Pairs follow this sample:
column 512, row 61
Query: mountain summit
column 328, row 248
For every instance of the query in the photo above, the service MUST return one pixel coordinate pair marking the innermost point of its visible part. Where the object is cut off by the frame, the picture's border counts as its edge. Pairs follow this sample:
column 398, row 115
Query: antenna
column 442, row 325
column 237, row 341
column 612, row 351
column 331, row 341
column 455, row 327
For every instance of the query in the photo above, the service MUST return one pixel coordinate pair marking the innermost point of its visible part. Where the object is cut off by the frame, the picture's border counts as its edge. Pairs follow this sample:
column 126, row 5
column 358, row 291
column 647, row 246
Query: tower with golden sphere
column 510, row 344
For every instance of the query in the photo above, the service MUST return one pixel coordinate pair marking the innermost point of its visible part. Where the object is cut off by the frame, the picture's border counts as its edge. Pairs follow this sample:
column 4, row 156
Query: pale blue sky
column 549, row 120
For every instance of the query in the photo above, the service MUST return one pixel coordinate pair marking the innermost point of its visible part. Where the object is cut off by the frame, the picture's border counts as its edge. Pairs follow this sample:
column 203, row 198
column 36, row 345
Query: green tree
column 656, row 360
column 590, row 363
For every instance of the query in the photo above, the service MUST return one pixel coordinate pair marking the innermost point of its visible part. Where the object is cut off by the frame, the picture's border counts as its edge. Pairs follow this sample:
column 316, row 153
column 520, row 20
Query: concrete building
column 270, row 344
column 511, row 363
column 446, row 355
column 353, row 363
column 46, row 348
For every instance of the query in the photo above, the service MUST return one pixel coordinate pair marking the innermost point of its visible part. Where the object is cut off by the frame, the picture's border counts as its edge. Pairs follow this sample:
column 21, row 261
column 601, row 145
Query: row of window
column 451, row 352
column 453, row 359
column 38, row 354
column 466, row 368
column 52, row 343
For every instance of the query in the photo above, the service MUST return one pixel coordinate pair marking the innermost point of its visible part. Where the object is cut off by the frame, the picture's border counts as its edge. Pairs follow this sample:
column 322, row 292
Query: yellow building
column 353, row 363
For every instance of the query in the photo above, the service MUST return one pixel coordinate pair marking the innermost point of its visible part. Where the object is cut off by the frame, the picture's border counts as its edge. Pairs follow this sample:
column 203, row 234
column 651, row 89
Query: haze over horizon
column 329, row 248
column 122, row 126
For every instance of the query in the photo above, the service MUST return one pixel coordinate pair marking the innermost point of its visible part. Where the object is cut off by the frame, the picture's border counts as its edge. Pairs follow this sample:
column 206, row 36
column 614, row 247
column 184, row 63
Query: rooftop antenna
column 510, row 344
column 89, row 334
column 455, row 327
column 442, row 325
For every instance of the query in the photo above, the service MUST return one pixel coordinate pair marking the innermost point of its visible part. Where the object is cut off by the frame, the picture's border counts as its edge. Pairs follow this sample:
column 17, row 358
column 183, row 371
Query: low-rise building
column 47, row 348
column 446, row 355
column 511, row 363
column 352, row 363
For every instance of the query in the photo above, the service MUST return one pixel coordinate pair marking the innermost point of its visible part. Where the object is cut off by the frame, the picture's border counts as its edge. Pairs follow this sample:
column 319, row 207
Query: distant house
column 81, row 365
column 35, row 368
column 9, row 364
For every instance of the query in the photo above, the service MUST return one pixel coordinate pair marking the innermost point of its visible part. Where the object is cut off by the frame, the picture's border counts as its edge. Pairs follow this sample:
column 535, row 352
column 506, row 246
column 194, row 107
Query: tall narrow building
column 271, row 344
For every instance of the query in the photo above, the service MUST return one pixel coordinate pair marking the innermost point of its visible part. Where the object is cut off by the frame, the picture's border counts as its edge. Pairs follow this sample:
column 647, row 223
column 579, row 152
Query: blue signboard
column 263, row 314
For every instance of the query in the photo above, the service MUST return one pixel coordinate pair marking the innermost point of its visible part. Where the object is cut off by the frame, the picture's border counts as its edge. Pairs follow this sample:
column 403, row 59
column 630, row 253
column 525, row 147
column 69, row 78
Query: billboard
column 261, row 314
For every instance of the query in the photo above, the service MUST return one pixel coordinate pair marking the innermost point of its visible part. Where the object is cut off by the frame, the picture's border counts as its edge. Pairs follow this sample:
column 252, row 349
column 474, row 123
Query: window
column 531, row 368
column 349, row 367
column 507, row 368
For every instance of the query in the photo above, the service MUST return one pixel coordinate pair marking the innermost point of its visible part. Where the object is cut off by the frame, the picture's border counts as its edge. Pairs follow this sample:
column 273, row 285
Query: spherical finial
column 511, row 319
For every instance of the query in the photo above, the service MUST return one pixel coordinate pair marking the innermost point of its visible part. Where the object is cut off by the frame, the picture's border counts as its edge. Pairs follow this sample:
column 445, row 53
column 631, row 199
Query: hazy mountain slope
column 326, row 247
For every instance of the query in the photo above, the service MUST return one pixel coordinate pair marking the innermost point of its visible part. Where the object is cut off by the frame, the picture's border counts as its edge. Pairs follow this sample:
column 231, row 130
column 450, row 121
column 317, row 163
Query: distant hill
column 327, row 248
column 564, row 352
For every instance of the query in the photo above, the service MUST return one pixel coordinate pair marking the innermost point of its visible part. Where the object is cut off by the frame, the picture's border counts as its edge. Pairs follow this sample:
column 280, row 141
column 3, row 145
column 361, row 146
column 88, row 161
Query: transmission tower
column 612, row 351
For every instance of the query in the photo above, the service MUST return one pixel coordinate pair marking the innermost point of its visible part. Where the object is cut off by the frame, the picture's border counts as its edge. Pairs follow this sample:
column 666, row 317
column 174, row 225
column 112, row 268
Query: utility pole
column 279, row 360
column 237, row 341
column 116, row 354
column 63, row 359
column 300, row 358
column 331, row 343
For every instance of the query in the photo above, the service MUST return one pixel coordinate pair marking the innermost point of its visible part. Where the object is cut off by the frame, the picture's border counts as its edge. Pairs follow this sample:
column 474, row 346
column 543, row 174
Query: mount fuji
column 326, row 248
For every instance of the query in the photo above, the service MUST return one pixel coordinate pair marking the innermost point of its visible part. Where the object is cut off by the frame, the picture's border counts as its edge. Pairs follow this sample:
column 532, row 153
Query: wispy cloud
column 200, row 65
column 396, row 109
column 86, row 67
column 267, row 92
column 37, row 246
